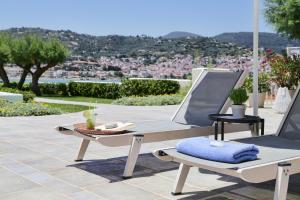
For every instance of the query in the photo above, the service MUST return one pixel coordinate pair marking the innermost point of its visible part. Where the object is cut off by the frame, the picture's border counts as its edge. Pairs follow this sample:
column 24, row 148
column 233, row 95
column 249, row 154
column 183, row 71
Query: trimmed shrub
column 106, row 90
column 100, row 90
column 149, row 100
column 27, row 95
column 60, row 89
column 136, row 87
column 26, row 109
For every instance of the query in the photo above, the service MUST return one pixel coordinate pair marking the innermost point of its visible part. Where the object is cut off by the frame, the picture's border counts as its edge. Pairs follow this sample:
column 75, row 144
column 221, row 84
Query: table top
column 230, row 118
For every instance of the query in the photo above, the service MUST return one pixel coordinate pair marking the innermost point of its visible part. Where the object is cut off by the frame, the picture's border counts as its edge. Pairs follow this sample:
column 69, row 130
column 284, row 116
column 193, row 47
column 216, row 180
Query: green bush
column 26, row 109
column 27, row 95
column 149, row 100
column 60, row 89
column 3, row 102
column 148, row 87
column 239, row 96
column 263, row 83
column 100, row 90
column 26, row 87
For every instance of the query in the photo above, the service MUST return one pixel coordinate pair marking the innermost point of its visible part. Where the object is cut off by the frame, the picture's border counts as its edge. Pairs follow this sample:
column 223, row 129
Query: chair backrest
column 290, row 125
column 208, row 95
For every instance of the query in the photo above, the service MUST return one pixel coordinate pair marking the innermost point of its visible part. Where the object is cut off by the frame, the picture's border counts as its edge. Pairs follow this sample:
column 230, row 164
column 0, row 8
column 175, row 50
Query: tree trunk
column 4, row 77
column 35, row 84
column 22, row 79
column 35, row 79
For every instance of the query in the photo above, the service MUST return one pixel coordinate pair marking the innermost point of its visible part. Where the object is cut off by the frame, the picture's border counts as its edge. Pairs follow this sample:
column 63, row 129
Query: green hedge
column 159, row 100
column 27, row 95
column 60, row 89
column 137, row 87
column 104, row 90
column 100, row 90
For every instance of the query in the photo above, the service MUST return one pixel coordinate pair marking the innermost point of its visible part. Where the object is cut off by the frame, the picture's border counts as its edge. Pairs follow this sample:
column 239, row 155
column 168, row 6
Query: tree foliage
column 35, row 56
column 45, row 56
column 285, row 16
column 21, row 52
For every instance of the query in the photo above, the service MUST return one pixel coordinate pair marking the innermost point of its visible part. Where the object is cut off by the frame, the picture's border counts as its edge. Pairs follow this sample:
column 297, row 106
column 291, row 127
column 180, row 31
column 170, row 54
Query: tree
column 21, row 53
column 35, row 56
column 46, row 54
column 285, row 16
column 4, row 58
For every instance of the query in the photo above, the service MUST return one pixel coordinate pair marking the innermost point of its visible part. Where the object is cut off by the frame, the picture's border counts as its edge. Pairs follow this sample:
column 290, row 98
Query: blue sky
column 132, row 17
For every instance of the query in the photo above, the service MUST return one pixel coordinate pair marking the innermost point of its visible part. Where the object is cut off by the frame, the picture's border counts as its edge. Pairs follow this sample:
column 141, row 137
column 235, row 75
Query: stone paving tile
column 23, row 154
column 61, row 186
column 40, row 177
column 16, row 167
column 46, row 164
column 120, row 190
column 110, row 169
column 256, row 193
column 227, row 196
column 160, row 186
column 8, row 148
column 149, row 161
column 78, row 177
column 84, row 195
column 11, row 182
column 35, row 194
column 204, row 178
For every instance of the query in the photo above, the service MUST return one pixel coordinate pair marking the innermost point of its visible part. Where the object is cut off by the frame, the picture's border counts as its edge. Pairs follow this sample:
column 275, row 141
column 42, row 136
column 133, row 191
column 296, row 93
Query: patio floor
column 37, row 163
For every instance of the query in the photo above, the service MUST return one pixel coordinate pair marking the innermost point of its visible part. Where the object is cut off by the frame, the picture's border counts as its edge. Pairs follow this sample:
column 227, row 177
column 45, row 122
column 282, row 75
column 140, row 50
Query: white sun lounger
column 278, row 158
column 209, row 94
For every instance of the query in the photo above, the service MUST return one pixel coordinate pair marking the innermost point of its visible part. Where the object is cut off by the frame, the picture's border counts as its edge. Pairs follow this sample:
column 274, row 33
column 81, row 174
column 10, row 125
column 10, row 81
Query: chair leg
column 134, row 151
column 282, row 181
column 181, row 178
column 83, row 147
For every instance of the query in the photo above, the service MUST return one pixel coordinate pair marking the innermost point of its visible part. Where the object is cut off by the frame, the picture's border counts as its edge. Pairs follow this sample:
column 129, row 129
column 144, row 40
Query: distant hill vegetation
column 131, row 46
column 272, row 41
column 180, row 34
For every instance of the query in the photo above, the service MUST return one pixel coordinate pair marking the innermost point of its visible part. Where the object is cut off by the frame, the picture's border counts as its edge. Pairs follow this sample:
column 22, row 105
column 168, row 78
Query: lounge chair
column 279, row 156
column 209, row 94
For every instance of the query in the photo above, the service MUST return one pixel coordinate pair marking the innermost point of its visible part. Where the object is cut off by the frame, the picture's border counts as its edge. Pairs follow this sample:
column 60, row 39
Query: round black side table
column 228, row 118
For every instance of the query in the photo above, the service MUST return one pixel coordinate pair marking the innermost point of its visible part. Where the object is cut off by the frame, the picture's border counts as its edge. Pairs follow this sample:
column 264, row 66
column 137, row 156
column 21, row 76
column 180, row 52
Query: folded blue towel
column 229, row 152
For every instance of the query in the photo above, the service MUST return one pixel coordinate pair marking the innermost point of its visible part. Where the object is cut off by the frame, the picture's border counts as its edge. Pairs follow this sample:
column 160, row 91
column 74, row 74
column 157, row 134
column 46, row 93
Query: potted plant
column 263, row 88
column 90, row 117
column 238, row 97
column 293, row 66
column 282, row 75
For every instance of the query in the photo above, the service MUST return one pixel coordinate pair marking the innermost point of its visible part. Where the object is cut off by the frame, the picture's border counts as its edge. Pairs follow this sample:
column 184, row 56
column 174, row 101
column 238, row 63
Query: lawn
column 66, row 108
column 81, row 99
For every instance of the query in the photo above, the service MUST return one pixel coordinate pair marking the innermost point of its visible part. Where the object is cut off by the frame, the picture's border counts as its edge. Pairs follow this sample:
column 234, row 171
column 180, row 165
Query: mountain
column 132, row 46
column 272, row 41
column 179, row 34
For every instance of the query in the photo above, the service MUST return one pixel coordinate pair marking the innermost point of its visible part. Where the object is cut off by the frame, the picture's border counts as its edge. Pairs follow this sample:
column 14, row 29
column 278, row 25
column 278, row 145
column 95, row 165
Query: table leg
column 222, row 131
column 216, row 130
column 262, row 126
column 257, row 128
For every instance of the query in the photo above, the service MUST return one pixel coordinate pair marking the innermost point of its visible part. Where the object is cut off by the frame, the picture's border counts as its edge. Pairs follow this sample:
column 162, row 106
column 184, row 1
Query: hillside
column 179, row 34
column 132, row 46
column 272, row 41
